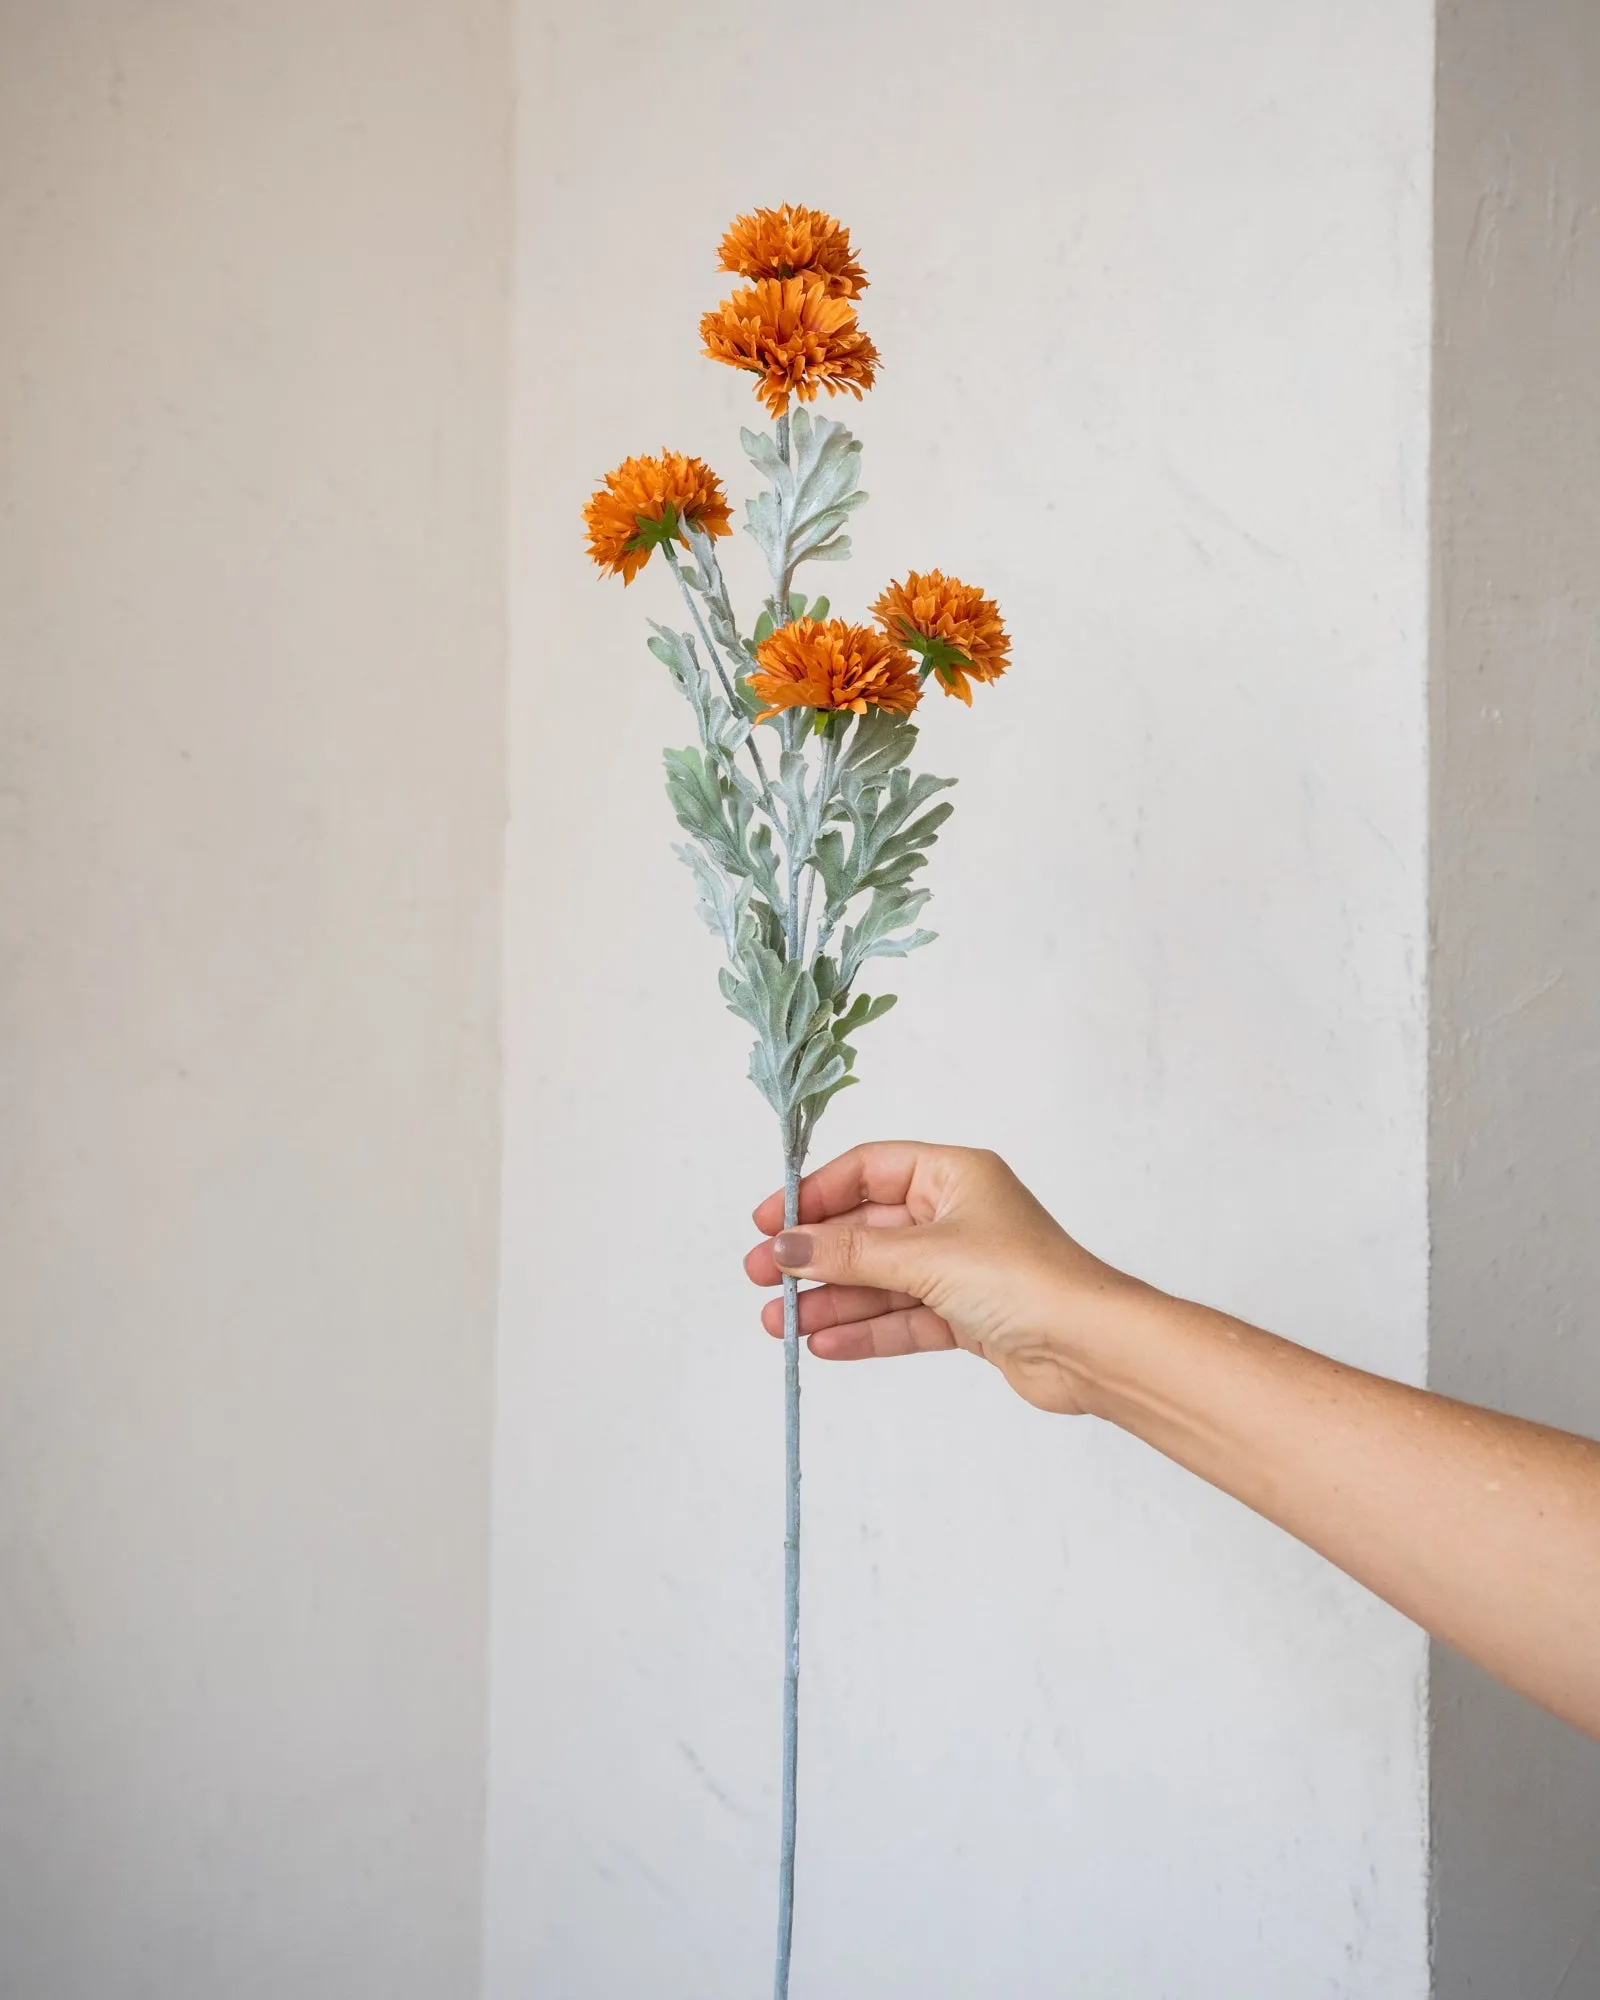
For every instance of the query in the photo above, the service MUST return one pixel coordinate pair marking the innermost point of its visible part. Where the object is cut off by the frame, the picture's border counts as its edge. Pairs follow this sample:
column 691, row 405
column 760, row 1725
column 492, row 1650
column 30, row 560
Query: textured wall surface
column 251, row 554
column 1154, row 305
column 1516, row 965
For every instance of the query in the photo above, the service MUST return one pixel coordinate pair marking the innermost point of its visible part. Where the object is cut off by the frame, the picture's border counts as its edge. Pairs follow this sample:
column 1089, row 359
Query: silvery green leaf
column 707, row 804
column 791, row 786
column 762, row 452
column 905, row 794
column 836, row 1076
column 720, row 618
column 797, row 1054
column 727, row 731
column 721, row 730
column 900, row 855
column 764, row 860
column 879, row 933
column 693, row 795
column 829, row 857
column 738, row 657
column 863, row 1010
column 812, row 494
column 819, row 538
column 724, row 904
column 816, row 1022
column 824, row 469
column 762, row 969
column 676, row 651
column 769, row 925
column 741, row 998
column 742, row 782
column 763, row 522
column 816, row 1105
column 889, row 836
column 878, row 742
column 820, row 477
column 767, row 1081
column 881, row 817
column 672, row 650
column 894, row 874
column 819, row 1069
column 759, row 993
column 704, row 575
column 784, row 993
column 894, row 947
column 803, row 1013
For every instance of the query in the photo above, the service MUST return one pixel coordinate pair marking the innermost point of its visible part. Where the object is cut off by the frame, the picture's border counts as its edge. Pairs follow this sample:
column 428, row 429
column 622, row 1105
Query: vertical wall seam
column 1432, row 705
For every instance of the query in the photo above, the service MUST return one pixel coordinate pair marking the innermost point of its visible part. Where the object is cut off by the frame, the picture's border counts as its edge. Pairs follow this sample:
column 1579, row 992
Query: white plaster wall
column 1153, row 295
column 251, row 659
column 1516, row 967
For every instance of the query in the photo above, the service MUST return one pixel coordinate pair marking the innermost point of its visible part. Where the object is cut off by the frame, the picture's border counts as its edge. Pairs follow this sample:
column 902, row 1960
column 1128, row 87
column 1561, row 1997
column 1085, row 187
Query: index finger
column 881, row 1171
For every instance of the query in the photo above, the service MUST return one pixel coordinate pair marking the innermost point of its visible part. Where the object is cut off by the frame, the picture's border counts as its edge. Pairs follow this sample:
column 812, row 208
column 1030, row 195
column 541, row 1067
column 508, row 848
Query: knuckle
column 846, row 1249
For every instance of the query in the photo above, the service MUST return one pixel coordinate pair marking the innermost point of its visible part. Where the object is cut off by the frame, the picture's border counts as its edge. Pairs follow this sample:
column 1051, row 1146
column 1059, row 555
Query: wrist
column 1111, row 1338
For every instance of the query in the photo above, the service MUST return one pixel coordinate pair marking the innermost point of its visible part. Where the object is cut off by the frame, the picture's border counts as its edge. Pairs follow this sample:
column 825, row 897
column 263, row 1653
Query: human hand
column 1483, row 1528
column 925, row 1247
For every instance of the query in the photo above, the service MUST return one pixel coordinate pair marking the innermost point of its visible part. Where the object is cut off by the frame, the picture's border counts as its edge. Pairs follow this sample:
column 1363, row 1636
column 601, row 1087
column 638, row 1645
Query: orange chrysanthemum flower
column 790, row 333
column 787, row 242
column 953, row 628
column 833, row 666
column 646, row 502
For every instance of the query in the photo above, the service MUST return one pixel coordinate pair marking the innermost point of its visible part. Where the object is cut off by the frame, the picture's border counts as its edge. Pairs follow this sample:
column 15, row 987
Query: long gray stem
column 824, row 794
column 792, row 1161
column 782, row 574
column 805, row 913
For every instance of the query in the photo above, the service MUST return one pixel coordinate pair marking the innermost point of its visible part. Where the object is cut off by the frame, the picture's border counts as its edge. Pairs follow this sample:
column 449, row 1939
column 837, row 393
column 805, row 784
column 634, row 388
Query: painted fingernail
column 792, row 1249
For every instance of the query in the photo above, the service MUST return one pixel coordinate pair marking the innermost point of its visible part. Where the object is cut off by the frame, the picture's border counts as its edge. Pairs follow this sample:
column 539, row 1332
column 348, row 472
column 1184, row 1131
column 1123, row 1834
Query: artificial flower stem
column 824, row 798
column 792, row 1161
column 791, row 1484
column 727, row 685
column 805, row 908
column 782, row 570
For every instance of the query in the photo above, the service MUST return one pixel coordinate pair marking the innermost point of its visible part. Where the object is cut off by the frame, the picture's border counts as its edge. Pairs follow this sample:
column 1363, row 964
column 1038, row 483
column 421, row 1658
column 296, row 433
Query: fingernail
column 792, row 1249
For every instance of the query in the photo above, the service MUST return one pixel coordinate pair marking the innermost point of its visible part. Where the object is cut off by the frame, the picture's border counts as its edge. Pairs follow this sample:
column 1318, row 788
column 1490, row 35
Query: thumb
column 850, row 1253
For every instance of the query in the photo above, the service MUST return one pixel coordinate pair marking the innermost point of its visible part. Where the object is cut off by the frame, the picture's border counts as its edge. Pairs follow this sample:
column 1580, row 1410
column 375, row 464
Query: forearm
column 1482, row 1528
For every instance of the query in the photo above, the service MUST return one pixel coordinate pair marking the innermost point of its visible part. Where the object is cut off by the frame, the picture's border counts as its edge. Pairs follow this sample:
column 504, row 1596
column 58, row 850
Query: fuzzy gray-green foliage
column 828, row 846
column 813, row 492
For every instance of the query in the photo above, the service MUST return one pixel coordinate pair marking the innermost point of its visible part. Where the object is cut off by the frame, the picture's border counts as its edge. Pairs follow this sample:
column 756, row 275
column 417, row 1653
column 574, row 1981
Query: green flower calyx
column 937, row 656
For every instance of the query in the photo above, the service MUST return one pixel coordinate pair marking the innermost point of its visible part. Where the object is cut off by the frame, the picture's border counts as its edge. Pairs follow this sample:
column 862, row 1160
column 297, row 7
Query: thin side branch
column 727, row 685
column 823, row 799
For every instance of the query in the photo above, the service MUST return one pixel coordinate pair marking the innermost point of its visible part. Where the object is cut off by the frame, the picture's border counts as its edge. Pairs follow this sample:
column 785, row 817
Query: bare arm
column 1483, row 1528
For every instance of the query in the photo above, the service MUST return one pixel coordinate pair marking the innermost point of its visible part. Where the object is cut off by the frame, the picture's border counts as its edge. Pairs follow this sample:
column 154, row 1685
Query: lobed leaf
column 812, row 496
column 880, row 932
